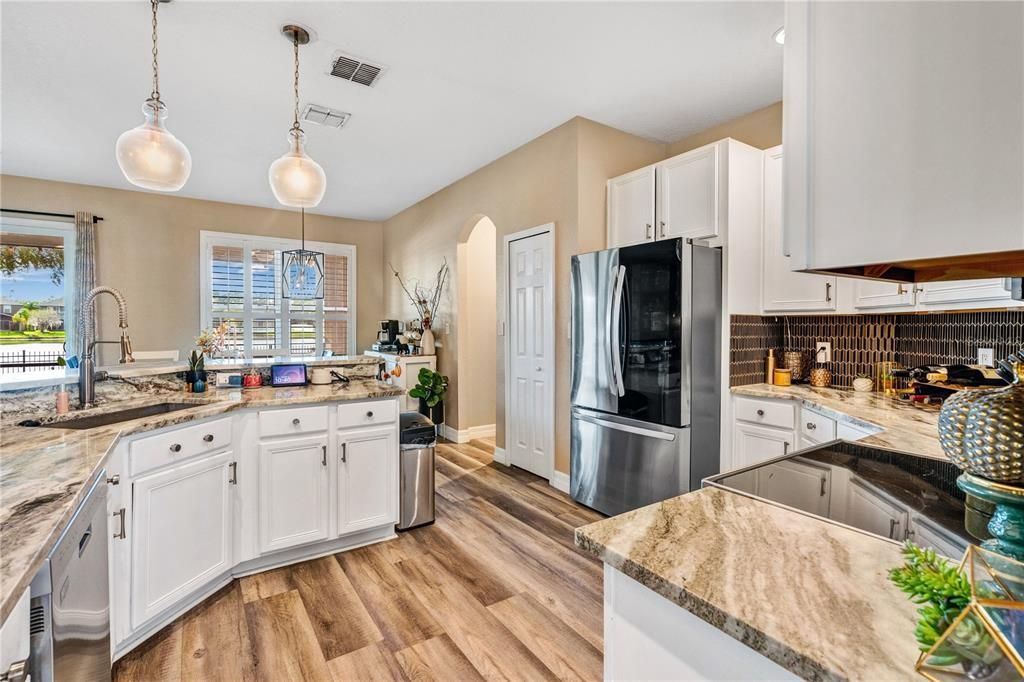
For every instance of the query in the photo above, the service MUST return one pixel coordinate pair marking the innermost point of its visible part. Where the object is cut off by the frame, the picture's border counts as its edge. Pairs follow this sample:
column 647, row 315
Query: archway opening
column 476, row 268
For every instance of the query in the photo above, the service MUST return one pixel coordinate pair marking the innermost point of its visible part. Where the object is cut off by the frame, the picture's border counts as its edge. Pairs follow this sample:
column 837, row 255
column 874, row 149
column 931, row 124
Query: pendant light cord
column 155, row 94
column 303, row 228
column 295, row 122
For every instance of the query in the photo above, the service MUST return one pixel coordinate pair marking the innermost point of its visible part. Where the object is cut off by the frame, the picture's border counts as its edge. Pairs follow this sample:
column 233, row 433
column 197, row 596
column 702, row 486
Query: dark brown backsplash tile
column 859, row 341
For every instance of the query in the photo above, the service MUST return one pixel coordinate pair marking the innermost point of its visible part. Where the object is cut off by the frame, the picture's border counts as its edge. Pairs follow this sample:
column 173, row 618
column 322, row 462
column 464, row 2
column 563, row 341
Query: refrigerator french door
column 646, row 330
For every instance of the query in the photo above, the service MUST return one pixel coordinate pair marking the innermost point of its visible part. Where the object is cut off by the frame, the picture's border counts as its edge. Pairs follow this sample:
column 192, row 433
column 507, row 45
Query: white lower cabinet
column 874, row 512
column 753, row 443
column 800, row 484
column 293, row 497
column 181, row 532
column 366, row 478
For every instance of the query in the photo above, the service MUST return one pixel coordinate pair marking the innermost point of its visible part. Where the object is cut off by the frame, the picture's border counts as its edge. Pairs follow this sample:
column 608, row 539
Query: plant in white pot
column 863, row 384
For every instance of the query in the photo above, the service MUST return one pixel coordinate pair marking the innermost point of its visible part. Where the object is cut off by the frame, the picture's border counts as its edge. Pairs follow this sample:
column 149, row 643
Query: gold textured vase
column 994, row 435
column 953, row 423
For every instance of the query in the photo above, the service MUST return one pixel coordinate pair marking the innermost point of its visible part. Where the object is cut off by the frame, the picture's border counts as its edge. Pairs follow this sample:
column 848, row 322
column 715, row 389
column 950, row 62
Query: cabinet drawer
column 178, row 445
column 292, row 421
column 766, row 412
column 366, row 414
column 816, row 426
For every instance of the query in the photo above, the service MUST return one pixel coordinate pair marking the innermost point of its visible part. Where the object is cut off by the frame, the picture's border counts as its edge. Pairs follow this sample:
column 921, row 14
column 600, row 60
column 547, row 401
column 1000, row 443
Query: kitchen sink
column 92, row 421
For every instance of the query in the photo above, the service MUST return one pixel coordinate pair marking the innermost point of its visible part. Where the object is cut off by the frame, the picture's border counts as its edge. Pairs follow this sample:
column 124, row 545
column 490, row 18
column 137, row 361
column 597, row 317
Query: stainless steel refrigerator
column 646, row 373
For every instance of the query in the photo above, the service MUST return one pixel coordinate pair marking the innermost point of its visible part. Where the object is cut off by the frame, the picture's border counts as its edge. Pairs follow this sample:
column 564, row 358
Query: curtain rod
column 95, row 218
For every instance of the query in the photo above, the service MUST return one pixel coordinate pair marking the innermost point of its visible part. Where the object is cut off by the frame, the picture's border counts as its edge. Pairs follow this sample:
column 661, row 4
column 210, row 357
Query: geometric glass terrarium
column 302, row 274
column 985, row 641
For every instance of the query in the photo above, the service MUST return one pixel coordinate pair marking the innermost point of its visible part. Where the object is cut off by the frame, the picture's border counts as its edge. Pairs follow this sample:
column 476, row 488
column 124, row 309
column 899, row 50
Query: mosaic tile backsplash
column 859, row 341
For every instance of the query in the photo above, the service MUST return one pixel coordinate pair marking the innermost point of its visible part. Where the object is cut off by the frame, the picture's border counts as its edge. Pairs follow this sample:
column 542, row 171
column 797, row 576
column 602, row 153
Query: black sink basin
column 92, row 421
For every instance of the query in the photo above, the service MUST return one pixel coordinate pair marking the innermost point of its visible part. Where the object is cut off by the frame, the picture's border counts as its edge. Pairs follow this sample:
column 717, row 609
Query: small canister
column 783, row 377
column 793, row 360
column 821, row 377
column 769, row 367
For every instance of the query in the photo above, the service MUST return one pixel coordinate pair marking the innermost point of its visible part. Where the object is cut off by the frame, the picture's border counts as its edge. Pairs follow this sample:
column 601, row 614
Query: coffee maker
column 387, row 337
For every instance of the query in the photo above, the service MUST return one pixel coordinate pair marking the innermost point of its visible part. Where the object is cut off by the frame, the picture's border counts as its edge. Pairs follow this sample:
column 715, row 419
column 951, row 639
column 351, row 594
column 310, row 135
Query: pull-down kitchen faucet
column 87, row 370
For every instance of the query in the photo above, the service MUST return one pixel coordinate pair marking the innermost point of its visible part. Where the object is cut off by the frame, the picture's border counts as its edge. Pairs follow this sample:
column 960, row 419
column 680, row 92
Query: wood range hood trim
column 951, row 268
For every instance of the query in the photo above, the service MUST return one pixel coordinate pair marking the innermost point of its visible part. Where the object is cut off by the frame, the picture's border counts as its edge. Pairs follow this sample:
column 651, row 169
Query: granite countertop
column 907, row 427
column 45, row 472
column 808, row 594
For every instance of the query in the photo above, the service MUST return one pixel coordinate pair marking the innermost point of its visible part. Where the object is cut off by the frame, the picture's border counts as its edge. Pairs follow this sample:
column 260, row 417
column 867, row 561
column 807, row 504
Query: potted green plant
column 430, row 389
column 195, row 377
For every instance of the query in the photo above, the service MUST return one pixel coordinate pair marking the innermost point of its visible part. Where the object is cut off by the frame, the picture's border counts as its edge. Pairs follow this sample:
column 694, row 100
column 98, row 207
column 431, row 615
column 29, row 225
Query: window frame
column 208, row 239
column 65, row 230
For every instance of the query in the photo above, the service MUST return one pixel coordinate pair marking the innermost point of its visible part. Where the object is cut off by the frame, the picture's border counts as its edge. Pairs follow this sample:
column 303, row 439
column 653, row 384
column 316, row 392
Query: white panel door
column 781, row 288
column 802, row 485
column 631, row 208
column 410, row 375
column 875, row 513
column 181, row 534
column 869, row 295
column 688, row 194
column 972, row 293
column 529, row 424
column 752, row 444
column 293, row 492
column 367, row 478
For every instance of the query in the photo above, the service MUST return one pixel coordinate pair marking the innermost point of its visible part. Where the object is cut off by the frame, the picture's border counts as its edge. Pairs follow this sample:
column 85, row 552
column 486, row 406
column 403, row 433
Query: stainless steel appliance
column 646, row 367
column 70, row 606
column 417, row 439
column 894, row 495
column 387, row 337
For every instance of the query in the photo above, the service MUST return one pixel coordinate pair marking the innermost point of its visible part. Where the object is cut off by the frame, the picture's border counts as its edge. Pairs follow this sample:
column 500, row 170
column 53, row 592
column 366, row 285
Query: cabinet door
column 181, row 533
column 688, row 194
column 752, row 443
column 869, row 295
column 410, row 374
column 871, row 511
column 974, row 293
column 293, row 492
column 781, row 288
column 801, row 485
column 631, row 208
column 925, row 533
column 367, row 479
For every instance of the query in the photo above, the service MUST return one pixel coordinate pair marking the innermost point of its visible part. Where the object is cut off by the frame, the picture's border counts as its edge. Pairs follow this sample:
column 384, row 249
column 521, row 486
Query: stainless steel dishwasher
column 70, row 608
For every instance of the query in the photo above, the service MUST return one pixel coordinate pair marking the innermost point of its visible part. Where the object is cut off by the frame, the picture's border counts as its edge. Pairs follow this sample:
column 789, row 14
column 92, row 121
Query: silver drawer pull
column 369, row 414
column 323, row 459
column 760, row 413
column 176, row 447
column 208, row 438
column 121, row 534
column 234, row 473
column 296, row 421
column 811, row 426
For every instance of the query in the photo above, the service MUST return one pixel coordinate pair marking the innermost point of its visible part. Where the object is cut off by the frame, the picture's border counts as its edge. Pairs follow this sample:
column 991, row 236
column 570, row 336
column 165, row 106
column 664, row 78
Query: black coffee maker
column 387, row 337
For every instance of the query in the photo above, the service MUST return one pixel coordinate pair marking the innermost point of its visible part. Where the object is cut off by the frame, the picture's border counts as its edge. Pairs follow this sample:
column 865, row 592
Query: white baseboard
column 466, row 435
column 500, row 456
column 559, row 481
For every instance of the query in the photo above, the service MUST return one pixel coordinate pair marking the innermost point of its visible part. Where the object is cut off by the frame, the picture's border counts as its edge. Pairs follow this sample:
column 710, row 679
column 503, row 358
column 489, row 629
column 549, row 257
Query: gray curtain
column 85, row 279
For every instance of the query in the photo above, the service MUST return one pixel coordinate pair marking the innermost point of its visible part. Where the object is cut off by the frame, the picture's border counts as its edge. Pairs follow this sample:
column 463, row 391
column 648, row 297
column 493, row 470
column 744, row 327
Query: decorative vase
column 794, row 360
column 863, row 385
column 427, row 340
column 821, row 377
column 953, row 424
column 994, row 435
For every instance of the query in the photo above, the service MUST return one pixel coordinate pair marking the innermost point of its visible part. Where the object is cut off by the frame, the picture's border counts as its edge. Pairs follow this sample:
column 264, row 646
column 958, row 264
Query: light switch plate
column 823, row 351
column 987, row 357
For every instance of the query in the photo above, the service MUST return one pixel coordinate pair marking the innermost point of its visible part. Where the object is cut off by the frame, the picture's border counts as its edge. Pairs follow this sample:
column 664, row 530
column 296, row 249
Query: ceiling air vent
column 325, row 116
column 355, row 69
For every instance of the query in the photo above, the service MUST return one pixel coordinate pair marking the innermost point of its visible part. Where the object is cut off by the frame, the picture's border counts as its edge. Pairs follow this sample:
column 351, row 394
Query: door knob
column 369, row 414
column 295, row 421
column 539, row 368
column 176, row 447
column 811, row 426
column 208, row 438
column 760, row 413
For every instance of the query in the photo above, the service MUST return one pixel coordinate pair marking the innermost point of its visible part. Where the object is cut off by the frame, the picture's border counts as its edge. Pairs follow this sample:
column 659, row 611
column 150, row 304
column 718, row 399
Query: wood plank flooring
column 495, row 589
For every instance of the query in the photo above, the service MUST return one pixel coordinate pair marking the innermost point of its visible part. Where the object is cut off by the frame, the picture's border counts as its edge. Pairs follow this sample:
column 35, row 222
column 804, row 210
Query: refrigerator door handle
column 609, row 307
column 608, row 424
column 619, row 279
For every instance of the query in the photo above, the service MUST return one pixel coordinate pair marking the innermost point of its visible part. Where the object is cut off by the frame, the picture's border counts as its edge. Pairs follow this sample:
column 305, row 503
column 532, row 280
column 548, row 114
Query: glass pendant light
column 149, row 155
column 302, row 271
column 296, row 179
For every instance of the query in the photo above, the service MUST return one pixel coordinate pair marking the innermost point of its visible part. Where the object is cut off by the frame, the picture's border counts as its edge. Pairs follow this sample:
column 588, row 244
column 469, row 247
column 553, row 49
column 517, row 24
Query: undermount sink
column 92, row 421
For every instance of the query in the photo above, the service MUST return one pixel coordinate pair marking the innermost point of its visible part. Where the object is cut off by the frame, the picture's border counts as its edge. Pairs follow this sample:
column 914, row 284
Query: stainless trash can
column 417, row 439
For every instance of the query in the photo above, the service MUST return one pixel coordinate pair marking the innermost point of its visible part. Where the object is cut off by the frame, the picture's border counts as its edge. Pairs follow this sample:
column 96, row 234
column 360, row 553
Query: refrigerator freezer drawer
column 621, row 464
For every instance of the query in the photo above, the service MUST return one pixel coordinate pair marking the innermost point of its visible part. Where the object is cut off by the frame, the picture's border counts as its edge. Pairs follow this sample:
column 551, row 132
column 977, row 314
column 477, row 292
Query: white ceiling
column 466, row 83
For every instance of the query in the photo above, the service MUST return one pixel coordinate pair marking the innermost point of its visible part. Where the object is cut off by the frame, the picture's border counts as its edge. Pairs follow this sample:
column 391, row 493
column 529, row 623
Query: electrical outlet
column 987, row 357
column 823, row 351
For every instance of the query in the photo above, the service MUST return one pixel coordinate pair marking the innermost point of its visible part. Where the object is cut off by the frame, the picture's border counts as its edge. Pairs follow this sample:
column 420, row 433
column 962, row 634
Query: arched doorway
column 476, row 273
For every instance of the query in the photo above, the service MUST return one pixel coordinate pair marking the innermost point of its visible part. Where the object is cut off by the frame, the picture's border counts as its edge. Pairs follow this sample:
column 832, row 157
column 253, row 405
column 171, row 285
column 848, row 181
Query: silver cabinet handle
column 323, row 459
column 811, row 426
column 18, row 672
column 114, row 480
column 344, row 452
column 295, row 422
column 823, row 483
column 648, row 232
column 176, row 447
column 900, row 290
column 121, row 534
column 208, row 438
column 828, row 292
column 663, row 229
column 369, row 414
column 234, row 473
column 785, row 448
column 760, row 413
column 892, row 528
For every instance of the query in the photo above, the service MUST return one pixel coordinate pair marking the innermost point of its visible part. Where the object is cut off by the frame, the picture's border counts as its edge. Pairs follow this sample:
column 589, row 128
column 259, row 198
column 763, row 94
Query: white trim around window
column 284, row 313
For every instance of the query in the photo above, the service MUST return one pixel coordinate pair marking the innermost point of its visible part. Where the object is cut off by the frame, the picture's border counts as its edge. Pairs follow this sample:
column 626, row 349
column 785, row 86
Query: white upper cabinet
column 969, row 294
column 689, row 195
column 903, row 132
column 631, row 208
column 875, row 296
column 783, row 290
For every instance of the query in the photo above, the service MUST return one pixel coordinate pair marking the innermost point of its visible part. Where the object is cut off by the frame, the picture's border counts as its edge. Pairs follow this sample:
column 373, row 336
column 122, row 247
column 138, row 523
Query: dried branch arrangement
column 425, row 299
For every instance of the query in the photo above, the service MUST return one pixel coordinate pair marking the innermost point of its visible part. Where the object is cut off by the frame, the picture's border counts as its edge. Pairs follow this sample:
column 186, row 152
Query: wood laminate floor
column 495, row 589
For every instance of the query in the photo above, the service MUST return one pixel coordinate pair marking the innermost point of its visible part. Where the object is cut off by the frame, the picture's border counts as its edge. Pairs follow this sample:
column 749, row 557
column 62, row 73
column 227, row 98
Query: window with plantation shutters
column 241, row 285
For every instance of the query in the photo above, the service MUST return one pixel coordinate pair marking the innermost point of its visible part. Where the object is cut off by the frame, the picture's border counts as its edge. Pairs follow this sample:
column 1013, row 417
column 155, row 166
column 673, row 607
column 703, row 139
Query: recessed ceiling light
column 780, row 35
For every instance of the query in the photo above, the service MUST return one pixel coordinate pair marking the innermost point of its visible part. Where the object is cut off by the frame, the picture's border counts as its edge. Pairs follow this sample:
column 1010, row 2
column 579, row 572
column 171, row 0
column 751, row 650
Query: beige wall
column 477, row 324
column 761, row 129
column 148, row 246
